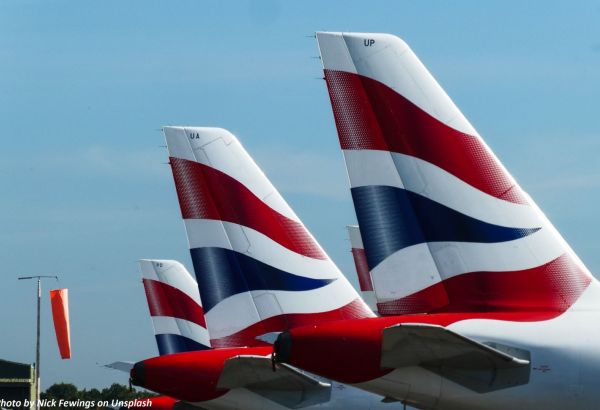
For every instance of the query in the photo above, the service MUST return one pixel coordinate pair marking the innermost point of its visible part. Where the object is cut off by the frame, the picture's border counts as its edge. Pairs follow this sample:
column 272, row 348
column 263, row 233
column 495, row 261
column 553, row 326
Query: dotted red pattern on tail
column 166, row 300
column 552, row 287
column 370, row 115
column 206, row 193
column 362, row 270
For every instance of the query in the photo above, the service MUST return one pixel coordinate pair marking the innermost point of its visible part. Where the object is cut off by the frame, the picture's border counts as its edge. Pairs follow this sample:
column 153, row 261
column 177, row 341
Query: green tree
column 68, row 391
column 92, row 394
column 119, row 392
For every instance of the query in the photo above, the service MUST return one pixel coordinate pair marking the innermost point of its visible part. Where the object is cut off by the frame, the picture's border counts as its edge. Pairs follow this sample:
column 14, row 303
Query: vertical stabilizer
column 175, row 307
column 258, row 268
column 444, row 225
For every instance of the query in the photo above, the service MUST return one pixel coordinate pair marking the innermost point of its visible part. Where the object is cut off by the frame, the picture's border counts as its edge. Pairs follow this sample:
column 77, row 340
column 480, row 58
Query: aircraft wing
column 121, row 366
column 476, row 366
column 287, row 386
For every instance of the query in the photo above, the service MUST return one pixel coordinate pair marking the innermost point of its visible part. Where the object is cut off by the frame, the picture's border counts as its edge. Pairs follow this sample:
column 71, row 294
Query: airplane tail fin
column 362, row 268
column 258, row 268
column 175, row 307
column 445, row 226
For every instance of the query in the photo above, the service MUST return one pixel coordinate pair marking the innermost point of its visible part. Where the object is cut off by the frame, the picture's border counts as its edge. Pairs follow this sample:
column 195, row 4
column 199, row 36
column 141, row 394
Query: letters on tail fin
column 444, row 225
column 175, row 307
column 362, row 269
column 258, row 268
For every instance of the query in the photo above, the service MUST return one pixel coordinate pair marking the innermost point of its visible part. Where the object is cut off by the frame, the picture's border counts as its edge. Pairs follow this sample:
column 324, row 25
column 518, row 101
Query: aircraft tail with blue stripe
column 175, row 307
column 258, row 268
column 445, row 227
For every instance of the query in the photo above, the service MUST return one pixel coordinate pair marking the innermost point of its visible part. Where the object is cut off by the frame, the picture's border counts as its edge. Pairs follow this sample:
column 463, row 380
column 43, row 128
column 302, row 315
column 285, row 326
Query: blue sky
column 85, row 87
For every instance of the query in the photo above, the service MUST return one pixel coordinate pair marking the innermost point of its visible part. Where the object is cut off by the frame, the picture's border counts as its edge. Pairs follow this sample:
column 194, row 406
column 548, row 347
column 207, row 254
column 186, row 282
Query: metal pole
column 37, row 347
column 37, row 343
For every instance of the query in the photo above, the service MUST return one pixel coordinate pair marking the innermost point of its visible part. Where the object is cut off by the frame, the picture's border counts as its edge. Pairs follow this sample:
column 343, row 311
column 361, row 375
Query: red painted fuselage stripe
column 192, row 376
column 325, row 349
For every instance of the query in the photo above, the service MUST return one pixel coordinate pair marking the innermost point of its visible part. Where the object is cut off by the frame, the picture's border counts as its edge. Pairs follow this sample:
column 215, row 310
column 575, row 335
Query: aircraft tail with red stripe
column 258, row 268
column 365, row 283
column 445, row 227
column 175, row 307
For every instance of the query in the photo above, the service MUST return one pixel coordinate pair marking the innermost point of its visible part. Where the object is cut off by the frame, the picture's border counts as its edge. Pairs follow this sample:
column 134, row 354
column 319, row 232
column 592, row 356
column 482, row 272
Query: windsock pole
column 37, row 344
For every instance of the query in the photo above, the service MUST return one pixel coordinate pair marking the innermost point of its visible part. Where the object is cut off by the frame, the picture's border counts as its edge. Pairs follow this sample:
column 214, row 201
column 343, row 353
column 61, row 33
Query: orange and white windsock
column 59, row 299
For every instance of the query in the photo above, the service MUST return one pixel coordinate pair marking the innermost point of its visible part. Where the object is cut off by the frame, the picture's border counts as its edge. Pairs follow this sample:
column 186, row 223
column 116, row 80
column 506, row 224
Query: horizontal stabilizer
column 121, row 366
column 268, row 337
column 286, row 386
column 474, row 365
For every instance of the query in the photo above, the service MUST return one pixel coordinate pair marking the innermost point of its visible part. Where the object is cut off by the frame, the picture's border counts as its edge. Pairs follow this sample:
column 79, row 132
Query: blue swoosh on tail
column 393, row 218
column 226, row 273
